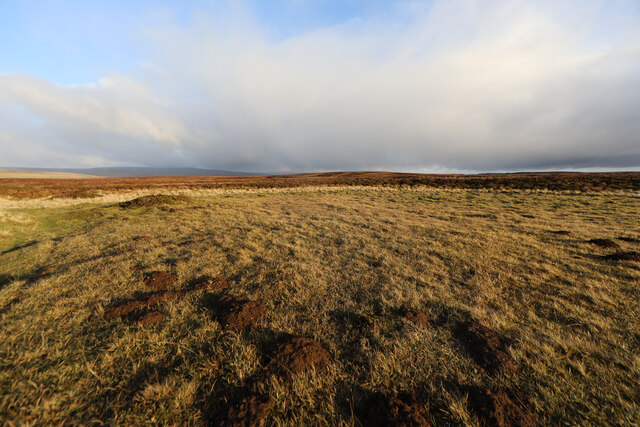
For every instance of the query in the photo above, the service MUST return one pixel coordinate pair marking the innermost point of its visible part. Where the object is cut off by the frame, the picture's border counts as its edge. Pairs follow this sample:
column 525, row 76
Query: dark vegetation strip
column 560, row 181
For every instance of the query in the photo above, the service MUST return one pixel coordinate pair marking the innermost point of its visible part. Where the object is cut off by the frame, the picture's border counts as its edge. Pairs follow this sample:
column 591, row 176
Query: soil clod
column 208, row 283
column 234, row 313
column 160, row 280
column 622, row 256
column 151, row 318
column 292, row 354
column 485, row 347
column 415, row 316
column 604, row 243
column 249, row 412
column 501, row 408
column 402, row 410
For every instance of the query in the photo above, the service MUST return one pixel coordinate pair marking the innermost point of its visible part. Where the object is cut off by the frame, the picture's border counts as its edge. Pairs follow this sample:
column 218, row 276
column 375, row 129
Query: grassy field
column 325, row 306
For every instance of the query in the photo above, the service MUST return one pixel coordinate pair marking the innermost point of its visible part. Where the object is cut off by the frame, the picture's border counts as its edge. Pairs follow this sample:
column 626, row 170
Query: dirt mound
column 604, row 243
column 501, row 408
column 402, row 410
column 485, row 347
column 160, row 280
column 415, row 316
column 622, row 256
column 629, row 239
column 561, row 232
column 234, row 313
column 151, row 318
column 135, row 309
column 249, row 412
column 292, row 354
column 207, row 283
column 153, row 200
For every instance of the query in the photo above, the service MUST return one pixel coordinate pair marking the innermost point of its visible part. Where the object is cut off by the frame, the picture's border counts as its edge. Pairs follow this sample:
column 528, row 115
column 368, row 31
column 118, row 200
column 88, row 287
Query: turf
column 458, row 306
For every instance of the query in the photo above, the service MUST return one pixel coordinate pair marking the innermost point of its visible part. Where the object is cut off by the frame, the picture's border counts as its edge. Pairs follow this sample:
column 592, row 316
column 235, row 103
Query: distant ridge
column 126, row 172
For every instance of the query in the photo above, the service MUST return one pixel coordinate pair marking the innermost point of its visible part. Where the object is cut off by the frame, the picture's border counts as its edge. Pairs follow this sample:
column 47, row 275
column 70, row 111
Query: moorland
column 321, row 299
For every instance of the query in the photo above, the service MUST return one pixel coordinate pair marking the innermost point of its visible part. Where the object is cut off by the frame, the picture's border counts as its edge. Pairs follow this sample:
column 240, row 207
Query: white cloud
column 463, row 84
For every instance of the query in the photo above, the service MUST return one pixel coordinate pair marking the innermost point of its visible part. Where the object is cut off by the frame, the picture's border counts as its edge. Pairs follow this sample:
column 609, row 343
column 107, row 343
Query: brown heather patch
column 153, row 200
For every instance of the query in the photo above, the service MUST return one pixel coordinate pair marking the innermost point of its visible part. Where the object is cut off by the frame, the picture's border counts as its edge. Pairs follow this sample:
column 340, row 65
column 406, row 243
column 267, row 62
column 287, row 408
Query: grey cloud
column 506, row 85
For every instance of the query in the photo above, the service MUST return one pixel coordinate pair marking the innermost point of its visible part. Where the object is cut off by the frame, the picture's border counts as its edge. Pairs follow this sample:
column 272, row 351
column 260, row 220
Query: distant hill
column 41, row 174
column 125, row 172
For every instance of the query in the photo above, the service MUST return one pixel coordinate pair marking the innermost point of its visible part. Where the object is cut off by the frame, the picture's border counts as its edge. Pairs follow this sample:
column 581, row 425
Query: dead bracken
column 485, row 347
column 292, row 354
column 234, row 313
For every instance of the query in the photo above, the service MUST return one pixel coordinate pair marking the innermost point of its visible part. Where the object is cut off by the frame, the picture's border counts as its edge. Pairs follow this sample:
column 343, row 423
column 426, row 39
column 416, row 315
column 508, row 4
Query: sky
column 303, row 85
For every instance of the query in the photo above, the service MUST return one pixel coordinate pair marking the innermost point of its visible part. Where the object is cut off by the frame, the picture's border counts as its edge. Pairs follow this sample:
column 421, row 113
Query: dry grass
column 335, row 265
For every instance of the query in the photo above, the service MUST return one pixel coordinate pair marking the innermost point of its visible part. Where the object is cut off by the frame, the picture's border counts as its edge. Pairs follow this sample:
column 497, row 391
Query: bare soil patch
column 207, row 283
column 622, row 256
column 249, row 412
column 501, row 408
column 151, row 318
column 485, row 347
column 415, row 316
column 153, row 200
column 604, row 243
column 234, row 313
column 292, row 354
column 402, row 410
column 160, row 280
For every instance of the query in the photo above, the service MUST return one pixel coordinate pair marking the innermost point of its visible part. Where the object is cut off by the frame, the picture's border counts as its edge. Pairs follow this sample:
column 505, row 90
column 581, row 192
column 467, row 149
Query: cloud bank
column 449, row 84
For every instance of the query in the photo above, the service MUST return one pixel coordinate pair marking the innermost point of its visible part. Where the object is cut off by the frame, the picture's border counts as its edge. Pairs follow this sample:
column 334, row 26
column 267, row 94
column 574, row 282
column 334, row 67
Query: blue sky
column 294, row 85
column 73, row 42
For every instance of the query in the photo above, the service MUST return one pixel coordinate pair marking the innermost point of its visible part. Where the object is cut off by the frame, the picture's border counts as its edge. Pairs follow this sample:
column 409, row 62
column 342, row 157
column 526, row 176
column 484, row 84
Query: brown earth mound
column 160, row 280
column 153, row 200
column 292, row 354
column 622, row 256
column 501, row 408
column 234, row 313
column 415, row 316
column 604, row 243
column 133, row 308
column 403, row 410
column 485, row 347
column 151, row 318
column 208, row 283
column 249, row 412
column 629, row 239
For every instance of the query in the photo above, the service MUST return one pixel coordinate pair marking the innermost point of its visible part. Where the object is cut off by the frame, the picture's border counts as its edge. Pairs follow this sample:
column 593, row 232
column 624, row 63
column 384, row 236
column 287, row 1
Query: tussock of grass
column 351, row 269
